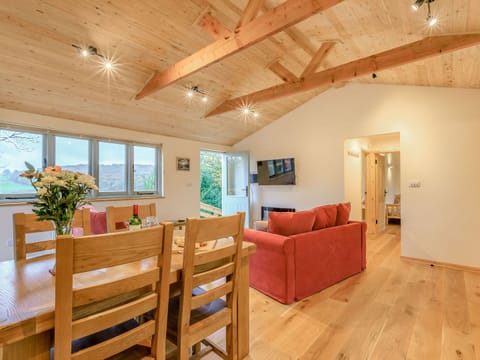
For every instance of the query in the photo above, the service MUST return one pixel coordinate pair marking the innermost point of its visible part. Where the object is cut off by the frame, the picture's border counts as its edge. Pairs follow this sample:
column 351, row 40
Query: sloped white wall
column 439, row 131
column 182, row 188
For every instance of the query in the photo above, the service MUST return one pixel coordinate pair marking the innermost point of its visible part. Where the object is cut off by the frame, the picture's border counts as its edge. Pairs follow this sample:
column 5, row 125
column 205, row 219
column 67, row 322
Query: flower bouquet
column 59, row 194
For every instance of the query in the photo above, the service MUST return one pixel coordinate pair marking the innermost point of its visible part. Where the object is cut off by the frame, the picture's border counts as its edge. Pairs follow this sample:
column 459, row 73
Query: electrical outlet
column 10, row 243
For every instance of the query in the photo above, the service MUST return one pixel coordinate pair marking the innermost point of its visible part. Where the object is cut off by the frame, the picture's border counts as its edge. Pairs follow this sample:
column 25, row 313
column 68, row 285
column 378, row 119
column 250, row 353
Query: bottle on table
column 135, row 222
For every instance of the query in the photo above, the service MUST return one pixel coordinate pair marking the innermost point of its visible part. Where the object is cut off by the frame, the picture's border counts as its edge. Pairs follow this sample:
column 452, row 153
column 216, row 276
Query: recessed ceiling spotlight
column 204, row 98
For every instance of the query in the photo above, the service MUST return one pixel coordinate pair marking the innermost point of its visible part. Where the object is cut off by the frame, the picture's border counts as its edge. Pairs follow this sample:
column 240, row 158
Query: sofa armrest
column 364, row 241
column 272, row 266
column 269, row 241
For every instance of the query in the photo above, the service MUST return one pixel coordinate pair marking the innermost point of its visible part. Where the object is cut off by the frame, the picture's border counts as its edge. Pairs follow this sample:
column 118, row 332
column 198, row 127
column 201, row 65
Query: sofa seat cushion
column 325, row 216
column 290, row 223
column 343, row 213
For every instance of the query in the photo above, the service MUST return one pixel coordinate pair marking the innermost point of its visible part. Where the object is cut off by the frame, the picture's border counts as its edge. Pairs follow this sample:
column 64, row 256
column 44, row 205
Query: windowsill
column 10, row 202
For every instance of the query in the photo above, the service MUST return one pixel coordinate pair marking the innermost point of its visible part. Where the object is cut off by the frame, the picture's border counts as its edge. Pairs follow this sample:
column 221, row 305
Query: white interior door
column 235, row 191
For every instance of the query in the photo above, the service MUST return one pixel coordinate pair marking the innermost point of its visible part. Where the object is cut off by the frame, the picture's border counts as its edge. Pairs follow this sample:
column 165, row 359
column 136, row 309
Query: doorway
column 372, row 178
column 224, row 186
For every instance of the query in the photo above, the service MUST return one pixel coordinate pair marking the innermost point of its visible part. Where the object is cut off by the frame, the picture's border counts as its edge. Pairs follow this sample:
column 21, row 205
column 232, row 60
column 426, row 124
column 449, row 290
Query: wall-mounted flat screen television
column 276, row 172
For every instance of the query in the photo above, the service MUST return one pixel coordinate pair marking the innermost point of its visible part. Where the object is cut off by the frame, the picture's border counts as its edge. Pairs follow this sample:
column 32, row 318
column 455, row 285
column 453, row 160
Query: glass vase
column 61, row 228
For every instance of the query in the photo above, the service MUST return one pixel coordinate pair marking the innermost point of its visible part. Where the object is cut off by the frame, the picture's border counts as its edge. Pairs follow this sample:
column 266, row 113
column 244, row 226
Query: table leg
column 243, row 309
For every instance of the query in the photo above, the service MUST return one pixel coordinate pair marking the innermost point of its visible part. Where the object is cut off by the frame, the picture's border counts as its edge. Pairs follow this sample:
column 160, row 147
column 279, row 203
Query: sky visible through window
column 73, row 154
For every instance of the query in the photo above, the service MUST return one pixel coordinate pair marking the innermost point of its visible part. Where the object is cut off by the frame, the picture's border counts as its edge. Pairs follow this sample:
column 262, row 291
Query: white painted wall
column 439, row 131
column 182, row 188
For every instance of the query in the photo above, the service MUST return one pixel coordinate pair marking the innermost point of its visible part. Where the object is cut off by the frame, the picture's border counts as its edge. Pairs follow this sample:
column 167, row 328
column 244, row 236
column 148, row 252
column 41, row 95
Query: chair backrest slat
column 212, row 275
column 214, row 256
column 128, row 248
column 104, row 291
column 111, row 317
column 110, row 347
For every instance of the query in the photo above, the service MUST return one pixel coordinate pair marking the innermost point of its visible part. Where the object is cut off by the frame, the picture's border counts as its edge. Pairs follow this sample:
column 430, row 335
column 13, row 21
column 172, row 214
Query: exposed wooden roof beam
column 282, row 72
column 251, row 11
column 273, row 21
column 213, row 27
column 402, row 55
column 319, row 56
column 217, row 31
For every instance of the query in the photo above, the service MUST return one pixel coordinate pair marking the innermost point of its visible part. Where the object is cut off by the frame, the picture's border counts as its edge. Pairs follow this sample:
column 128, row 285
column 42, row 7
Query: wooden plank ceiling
column 40, row 71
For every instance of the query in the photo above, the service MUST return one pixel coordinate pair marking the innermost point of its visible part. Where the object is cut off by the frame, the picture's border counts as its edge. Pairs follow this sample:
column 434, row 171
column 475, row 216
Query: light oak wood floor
column 393, row 310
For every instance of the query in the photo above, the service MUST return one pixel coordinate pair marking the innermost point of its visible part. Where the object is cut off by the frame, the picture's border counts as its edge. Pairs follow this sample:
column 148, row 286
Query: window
column 72, row 154
column 121, row 169
column 16, row 147
column 112, row 167
column 144, row 165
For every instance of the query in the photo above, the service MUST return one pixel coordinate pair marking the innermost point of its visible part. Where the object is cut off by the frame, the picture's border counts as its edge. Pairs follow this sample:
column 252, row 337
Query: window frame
column 49, row 158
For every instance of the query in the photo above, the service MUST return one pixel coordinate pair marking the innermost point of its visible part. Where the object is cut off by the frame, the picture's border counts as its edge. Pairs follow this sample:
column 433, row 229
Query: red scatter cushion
column 290, row 223
column 325, row 216
column 343, row 213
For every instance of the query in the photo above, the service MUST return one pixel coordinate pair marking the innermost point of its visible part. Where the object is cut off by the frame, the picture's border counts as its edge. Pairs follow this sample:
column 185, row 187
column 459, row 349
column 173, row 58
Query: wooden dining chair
column 118, row 216
column 24, row 224
column 99, row 313
column 208, row 277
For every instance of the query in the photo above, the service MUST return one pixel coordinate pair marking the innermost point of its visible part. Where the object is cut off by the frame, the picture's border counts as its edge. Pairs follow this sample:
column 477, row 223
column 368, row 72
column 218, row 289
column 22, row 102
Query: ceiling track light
column 92, row 51
column 431, row 20
column 196, row 91
column 417, row 4
column 247, row 111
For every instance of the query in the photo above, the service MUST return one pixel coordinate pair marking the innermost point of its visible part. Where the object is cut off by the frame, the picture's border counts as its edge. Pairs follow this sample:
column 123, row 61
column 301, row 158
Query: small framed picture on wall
column 183, row 164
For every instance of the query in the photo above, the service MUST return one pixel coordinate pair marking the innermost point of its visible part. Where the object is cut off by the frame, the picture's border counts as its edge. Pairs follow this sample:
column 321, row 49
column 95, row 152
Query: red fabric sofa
column 289, row 267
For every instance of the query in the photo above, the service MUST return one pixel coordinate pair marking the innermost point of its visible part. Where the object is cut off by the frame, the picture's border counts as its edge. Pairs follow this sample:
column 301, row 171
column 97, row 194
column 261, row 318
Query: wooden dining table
column 27, row 302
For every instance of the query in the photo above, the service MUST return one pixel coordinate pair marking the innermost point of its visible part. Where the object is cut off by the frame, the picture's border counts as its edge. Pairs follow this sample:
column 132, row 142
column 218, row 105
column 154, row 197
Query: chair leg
column 196, row 348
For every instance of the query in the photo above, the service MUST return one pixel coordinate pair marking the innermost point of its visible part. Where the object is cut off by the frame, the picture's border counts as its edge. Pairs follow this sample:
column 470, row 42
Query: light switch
column 414, row 184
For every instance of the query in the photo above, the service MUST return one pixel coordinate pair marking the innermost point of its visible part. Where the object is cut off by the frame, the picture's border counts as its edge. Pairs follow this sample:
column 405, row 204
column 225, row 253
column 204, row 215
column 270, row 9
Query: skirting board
column 443, row 264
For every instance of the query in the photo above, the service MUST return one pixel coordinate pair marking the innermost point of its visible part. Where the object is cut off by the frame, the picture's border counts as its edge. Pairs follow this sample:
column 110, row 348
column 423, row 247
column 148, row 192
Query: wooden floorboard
column 396, row 309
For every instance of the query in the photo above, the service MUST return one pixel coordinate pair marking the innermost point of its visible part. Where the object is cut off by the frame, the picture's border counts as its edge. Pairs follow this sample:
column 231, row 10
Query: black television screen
column 276, row 172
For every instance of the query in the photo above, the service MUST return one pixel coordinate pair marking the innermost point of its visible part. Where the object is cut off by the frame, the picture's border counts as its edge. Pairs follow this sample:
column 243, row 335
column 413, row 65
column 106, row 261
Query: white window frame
column 48, row 142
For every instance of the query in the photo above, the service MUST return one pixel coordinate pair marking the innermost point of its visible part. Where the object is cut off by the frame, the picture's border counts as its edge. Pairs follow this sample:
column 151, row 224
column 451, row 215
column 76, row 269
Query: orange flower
column 55, row 168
